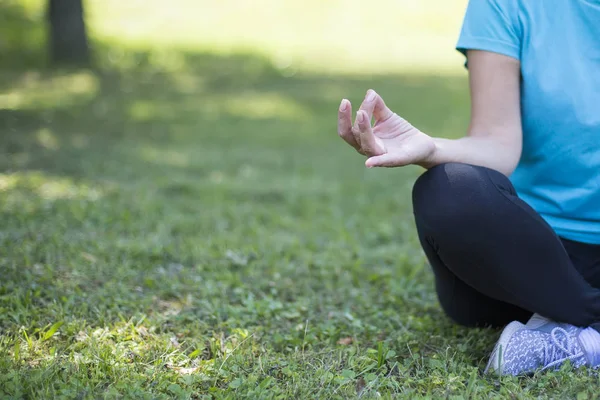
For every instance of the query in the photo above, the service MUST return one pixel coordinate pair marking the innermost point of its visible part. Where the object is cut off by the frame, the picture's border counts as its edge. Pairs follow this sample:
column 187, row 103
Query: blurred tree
column 68, row 37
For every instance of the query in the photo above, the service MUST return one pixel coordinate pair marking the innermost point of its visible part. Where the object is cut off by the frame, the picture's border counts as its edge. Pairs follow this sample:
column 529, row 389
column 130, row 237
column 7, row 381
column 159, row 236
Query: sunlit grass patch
column 35, row 90
column 19, row 187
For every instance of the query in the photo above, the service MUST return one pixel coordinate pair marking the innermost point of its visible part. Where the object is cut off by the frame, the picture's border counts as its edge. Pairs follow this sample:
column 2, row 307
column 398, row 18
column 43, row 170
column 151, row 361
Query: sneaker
column 543, row 344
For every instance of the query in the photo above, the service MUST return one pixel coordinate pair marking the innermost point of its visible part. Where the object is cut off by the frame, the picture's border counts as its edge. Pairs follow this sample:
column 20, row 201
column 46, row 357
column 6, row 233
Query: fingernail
column 361, row 117
column 344, row 105
column 371, row 95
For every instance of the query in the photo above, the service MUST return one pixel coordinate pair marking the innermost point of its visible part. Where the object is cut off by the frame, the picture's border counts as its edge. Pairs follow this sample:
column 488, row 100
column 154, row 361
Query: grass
column 186, row 224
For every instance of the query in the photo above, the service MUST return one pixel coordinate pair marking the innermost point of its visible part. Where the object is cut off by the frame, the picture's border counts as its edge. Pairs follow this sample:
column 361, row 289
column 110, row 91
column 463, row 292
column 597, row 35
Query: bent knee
column 452, row 190
column 449, row 178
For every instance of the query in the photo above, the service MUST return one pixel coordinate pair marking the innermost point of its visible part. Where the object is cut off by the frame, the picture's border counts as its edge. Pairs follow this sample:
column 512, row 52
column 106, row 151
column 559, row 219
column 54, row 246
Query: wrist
column 431, row 159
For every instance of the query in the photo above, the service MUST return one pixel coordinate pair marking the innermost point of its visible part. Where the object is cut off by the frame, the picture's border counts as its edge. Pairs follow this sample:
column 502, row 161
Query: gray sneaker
column 543, row 344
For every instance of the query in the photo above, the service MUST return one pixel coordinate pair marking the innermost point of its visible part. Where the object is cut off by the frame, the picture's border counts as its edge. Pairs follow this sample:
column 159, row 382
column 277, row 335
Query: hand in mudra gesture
column 391, row 142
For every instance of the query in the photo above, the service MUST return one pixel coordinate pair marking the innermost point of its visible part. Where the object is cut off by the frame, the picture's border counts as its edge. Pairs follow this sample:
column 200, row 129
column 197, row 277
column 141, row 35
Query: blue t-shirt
column 558, row 45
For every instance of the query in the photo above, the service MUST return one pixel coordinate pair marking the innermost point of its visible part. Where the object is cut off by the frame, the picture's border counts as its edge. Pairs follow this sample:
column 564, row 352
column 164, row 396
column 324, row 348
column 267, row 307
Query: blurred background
column 128, row 76
column 172, row 168
column 335, row 36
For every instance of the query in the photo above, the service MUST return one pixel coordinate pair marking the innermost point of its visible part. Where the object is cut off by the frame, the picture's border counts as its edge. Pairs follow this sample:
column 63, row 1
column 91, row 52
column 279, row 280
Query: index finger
column 345, row 124
column 368, row 104
column 380, row 110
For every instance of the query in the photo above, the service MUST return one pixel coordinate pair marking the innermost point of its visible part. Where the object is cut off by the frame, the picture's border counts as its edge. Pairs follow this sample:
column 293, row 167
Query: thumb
column 386, row 160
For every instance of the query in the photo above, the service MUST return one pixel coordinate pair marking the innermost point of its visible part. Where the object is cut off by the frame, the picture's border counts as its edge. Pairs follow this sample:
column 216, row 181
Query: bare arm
column 494, row 138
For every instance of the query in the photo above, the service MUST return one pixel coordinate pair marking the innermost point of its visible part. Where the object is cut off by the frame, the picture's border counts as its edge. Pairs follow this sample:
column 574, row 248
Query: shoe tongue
column 536, row 321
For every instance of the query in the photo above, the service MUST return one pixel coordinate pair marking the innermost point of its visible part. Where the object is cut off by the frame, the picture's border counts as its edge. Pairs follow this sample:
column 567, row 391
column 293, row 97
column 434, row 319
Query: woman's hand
column 391, row 142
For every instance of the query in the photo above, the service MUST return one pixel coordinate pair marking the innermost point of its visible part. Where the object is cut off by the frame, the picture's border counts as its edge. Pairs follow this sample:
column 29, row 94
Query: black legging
column 494, row 258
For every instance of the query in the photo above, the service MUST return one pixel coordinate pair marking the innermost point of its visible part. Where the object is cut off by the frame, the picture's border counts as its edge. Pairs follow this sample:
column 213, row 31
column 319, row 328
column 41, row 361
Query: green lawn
column 187, row 224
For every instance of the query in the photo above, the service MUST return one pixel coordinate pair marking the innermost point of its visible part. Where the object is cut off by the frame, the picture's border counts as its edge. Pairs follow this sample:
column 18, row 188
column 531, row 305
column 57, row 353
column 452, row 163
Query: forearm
column 485, row 151
column 495, row 135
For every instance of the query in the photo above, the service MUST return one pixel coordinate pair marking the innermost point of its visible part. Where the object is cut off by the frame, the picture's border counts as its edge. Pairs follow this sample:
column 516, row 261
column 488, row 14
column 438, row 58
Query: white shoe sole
column 496, row 362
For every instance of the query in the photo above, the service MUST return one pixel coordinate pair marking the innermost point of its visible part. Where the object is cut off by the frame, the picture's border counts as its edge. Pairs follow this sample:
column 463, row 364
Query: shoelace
column 557, row 351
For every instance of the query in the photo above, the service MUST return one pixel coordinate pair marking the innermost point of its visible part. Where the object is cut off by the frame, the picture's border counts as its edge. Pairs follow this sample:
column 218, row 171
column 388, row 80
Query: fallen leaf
column 34, row 363
column 81, row 336
column 345, row 341
column 88, row 257
column 181, row 370
column 360, row 385
column 236, row 259
column 186, row 371
column 142, row 331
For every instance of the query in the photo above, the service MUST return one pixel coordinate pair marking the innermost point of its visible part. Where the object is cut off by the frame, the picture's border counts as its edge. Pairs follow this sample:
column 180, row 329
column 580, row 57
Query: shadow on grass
column 151, row 137
column 178, row 131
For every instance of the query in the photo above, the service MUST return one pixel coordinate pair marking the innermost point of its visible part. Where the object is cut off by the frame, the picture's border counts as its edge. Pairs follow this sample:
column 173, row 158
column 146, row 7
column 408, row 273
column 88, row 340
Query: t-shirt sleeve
column 491, row 25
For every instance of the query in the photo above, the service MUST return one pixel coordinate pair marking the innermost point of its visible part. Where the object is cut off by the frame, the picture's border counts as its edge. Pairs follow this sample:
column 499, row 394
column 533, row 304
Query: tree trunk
column 68, row 37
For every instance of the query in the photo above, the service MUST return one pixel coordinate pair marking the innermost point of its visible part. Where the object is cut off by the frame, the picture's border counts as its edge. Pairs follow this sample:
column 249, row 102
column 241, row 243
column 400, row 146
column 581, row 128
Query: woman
column 524, row 249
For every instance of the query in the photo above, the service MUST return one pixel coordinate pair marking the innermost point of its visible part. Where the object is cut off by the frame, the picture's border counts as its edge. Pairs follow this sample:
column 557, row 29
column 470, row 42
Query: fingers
column 363, row 134
column 374, row 106
column 360, row 135
column 368, row 103
column 345, row 124
column 380, row 111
